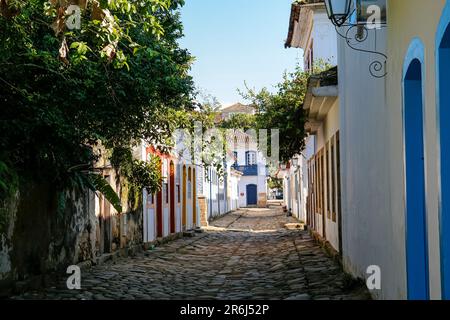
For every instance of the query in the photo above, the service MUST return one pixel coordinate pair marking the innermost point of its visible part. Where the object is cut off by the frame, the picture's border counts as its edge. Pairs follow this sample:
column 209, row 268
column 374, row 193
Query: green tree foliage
column 116, row 80
column 208, row 154
column 101, row 185
column 139, row 174
column 283, row 109
column 240, row 121
column 275, row 183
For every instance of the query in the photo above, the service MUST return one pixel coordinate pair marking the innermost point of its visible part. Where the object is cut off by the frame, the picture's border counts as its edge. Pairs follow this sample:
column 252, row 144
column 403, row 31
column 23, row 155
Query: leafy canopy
column 283, row 110
column 116, row 80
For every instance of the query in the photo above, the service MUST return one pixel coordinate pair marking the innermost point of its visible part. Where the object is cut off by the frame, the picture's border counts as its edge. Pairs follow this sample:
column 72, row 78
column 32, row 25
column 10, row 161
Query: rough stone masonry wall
column 36, row 238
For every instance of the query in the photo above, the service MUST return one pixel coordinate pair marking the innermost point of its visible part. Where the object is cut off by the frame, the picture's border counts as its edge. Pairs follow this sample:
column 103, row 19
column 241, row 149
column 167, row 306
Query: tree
column 275, row 183
column 240, row 121
column 283, row 109
column 116, row 80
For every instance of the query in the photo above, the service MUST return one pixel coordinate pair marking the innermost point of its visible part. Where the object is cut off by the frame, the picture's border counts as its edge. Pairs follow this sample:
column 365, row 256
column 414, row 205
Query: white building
column 393, row 138
column 311, row 30
column 251, row 163
column 237, row 108
column 247, row 159
column 311, row 180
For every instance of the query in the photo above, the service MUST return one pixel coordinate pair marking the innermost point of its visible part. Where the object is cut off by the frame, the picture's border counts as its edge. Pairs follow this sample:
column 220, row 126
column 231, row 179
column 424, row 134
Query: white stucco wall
column 371, row 233
column 324, row 38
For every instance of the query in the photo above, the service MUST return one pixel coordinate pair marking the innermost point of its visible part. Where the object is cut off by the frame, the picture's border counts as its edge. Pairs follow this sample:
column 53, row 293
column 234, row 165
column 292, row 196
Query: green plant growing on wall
column 138, row 174
column 101, row 185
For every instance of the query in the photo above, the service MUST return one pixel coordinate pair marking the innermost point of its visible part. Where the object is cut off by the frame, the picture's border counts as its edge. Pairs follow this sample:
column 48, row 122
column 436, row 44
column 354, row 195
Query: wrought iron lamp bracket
column 355, row 35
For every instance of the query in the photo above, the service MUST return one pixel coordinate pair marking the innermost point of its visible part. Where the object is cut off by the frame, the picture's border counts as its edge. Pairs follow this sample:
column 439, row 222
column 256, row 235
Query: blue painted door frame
column 443, row 98
column 416, row 234
column 252, row 198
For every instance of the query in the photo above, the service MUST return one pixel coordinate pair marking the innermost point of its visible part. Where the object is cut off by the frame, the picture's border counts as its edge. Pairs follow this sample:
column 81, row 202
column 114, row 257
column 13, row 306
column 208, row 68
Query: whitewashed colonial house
column 312, row 180
column 394, row 147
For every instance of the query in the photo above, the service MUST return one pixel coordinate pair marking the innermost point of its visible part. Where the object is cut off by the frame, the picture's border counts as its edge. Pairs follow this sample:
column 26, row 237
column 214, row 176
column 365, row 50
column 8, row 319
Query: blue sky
column 236, row 41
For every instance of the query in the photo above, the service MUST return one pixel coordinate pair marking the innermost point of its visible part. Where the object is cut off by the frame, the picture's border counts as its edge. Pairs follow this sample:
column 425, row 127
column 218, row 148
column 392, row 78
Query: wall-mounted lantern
column 338, row 11
column 354, row 20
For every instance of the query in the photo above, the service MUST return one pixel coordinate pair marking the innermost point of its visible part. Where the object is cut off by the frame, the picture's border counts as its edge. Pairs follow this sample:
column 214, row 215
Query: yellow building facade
column 415, row 30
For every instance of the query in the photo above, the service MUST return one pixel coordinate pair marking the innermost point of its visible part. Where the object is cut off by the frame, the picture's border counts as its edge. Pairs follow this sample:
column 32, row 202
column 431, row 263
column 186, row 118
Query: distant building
column 247, row 159
column 251, row 162
column 237, row 108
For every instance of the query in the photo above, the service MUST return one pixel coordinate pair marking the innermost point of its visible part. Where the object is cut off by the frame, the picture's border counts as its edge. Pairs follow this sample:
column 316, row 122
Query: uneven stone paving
column 248, row 254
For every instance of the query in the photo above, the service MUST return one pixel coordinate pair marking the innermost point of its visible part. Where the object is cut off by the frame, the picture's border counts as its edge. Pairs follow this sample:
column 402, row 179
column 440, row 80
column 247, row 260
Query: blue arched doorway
column 443, row 98
column 416, row 234
column 252, row 198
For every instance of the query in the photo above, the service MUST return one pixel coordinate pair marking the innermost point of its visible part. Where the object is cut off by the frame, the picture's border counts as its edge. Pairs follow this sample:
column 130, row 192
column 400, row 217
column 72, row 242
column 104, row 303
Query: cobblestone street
column 249, row 254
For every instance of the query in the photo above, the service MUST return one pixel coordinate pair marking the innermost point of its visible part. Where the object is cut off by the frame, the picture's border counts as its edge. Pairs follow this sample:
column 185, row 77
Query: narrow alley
column 247, row 254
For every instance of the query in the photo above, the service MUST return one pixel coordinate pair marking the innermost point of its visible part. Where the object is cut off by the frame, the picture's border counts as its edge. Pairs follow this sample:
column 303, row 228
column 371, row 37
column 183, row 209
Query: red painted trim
column 152, row 150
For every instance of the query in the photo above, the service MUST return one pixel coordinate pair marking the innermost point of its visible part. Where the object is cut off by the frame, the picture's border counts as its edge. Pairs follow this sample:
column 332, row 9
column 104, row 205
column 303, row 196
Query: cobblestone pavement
column 249, row 254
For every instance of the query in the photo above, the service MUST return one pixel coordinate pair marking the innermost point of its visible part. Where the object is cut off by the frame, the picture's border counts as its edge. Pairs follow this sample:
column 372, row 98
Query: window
column 250, row 158
column 322, row 187
column 235, row 155
column 308, row 209
column 313, row 193
column 327, row 166
column 338, row 166
column 310, row 193
column 319, row 183
column 316, row 192
column 333, row 185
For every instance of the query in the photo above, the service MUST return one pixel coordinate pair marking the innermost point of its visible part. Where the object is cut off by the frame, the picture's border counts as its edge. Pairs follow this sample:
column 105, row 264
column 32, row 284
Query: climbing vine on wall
column 138, row 175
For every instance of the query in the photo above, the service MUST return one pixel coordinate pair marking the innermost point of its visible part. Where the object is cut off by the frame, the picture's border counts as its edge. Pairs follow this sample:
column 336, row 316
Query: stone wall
column 40, row 235
column 37, row 238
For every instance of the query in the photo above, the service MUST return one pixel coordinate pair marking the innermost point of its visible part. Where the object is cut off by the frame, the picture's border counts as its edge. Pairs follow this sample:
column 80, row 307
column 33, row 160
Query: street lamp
column 338, row 11
column 295, row 162
column 283, row 166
